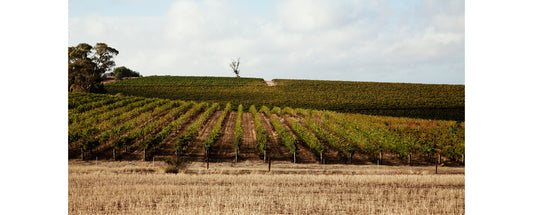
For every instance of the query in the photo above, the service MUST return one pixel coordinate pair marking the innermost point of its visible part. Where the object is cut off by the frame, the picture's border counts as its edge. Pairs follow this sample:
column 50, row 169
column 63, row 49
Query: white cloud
column 341, row 40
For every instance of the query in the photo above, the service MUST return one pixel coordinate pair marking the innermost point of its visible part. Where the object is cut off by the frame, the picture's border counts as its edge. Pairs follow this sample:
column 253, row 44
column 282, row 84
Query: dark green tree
column 86, row 64
column 121, row 72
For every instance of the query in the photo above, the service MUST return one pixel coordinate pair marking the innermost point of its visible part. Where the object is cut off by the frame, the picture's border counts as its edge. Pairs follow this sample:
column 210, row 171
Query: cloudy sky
column 386, row 41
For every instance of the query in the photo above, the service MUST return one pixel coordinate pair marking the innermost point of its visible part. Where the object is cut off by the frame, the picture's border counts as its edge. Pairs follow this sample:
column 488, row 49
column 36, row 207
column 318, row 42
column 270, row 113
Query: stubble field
column 136, row 187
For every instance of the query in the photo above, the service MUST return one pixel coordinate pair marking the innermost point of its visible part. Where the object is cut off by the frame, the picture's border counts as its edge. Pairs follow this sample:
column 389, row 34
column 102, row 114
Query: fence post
column 269, row 164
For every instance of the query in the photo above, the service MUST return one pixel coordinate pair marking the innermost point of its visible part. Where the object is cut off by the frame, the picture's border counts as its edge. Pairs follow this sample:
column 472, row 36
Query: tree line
column 87, row 64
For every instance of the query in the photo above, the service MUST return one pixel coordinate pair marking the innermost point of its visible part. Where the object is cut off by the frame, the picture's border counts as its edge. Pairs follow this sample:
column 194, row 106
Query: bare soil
column 248, row 149
column 195, row 151
column 271, row 83
column 223, row 150
column 303, row 152
column 277, row 151
column 166, row 148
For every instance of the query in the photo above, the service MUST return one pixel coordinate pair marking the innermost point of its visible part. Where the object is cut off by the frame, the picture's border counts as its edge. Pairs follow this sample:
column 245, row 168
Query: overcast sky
column 384, row 41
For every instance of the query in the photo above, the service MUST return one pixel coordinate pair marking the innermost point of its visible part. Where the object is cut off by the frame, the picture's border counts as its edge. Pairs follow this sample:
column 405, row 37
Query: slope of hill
column 427, row 101
column 127, row 127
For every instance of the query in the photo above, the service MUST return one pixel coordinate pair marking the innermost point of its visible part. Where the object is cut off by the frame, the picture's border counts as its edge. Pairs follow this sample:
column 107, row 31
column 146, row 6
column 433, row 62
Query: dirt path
column 303, row 152
column 248, row 150
column 195, row 150
column 271, row 83
column 277, row 152
column 223, row 149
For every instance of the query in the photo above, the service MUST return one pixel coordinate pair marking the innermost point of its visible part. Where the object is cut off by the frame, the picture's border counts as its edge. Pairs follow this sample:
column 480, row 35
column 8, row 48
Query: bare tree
column 235, row 66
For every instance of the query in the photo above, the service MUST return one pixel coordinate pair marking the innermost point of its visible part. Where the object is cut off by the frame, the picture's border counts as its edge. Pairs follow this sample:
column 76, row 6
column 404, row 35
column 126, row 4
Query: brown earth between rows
column 223, row 150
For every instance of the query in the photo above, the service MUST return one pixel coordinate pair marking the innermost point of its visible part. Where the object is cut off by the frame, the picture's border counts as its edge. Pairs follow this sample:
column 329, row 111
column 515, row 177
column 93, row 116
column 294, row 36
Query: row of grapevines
column 189, row 134
column 260, row 133
column 151, row 129
column 92, row 137
column 352, row 140
column 214, row 134
column 176, row 124
column 284, row 134
column 78, row 131
column 77, row 99
column 110, row 111
column 306, row 136
column 129, row 132
column 239, row 132
column 95, row 104
column 324, row 135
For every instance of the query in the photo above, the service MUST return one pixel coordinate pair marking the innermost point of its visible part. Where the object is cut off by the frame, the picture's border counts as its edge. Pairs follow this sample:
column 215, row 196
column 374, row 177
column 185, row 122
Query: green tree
column 121, row 72
column 86, row 64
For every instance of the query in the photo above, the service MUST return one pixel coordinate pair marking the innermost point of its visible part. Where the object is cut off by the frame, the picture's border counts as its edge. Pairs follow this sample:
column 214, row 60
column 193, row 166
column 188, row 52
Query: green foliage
column 215, row 132
column 427, row 101
column 306, row 136
column 185, row 138
column 260, row 132
column 98, row 122
column 239, row 130
column 284, row 134
column 86, row 64
column 122, row 72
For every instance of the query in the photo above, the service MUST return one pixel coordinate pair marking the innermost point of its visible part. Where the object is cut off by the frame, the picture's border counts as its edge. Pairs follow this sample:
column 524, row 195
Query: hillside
column 128, row 127
column 426, row 101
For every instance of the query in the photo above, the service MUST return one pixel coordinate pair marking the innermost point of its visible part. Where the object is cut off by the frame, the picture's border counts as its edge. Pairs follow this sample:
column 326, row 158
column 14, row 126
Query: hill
column 426, row 101
column 128, row 127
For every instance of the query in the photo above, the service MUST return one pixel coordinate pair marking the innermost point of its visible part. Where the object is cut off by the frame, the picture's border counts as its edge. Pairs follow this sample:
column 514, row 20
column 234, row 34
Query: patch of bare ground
column 248, row 149
column 303, row 152
column 271, row 83
column 132, row 152
column 223, row 150
column 249, row 188
column 166, row 148
column 195, row 150
column 277, row 151
column 112, row 79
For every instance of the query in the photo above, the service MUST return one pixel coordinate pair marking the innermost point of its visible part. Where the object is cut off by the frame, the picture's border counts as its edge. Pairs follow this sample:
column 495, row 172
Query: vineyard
column 119, row 127
column 425, row 101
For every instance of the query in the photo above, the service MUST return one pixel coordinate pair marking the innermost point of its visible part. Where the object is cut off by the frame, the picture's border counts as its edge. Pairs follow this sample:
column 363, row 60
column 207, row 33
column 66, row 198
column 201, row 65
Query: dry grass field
column 135, row 187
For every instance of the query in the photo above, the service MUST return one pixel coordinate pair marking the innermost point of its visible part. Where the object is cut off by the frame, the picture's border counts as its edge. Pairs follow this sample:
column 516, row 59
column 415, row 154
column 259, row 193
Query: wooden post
column 144, row 155
column 236, row 155
column 294, row 155
column 436, row 166
column 321, row 159
column 264, row 156
column 380, row 156
column 207, row 162
column 269, row 164
column 409, row 160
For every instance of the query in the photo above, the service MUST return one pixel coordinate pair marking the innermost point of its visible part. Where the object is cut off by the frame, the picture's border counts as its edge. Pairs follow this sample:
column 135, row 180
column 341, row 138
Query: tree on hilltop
column 235, row 66
column 122, row 72
column 86, row 64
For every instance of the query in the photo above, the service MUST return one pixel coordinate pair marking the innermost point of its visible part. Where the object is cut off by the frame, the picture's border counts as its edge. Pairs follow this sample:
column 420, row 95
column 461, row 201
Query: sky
column 353, row 40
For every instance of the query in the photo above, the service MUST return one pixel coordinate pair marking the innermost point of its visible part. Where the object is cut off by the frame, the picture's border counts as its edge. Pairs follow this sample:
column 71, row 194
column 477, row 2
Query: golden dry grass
column 248, row 188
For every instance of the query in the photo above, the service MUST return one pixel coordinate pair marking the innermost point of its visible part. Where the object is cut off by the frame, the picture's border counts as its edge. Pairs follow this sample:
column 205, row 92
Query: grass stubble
column 247, row 188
